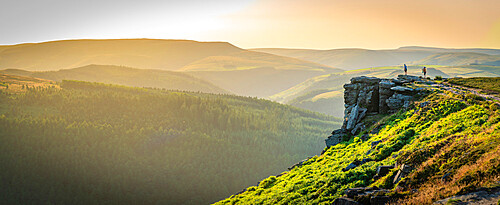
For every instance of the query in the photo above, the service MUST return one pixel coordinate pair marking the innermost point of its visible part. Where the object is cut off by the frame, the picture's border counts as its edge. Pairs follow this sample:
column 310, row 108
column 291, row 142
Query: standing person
column 424, row 70
column 406, row 70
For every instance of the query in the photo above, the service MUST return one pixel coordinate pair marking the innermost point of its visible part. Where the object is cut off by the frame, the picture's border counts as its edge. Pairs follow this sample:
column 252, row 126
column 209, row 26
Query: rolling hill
column 125, row 76
column 138, row 53
column 219, row 63
column 259, row 82
column 93, row 143
column 350, row 59
column 320, row 92
column 455, row 59
column 143, row 53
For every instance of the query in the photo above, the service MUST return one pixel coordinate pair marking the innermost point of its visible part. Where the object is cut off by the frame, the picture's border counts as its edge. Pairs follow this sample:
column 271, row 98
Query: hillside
column 142, row 53
column 250, row 73
column 260, row 82
column 16, row 84
column 455, row 59
column 444, row 144
column 219, row 63
column 485, row 85
column 90, row 143
column 137, row 53
column 245, row 60
column 318, row 93
column 350, row 59
column 126, row 76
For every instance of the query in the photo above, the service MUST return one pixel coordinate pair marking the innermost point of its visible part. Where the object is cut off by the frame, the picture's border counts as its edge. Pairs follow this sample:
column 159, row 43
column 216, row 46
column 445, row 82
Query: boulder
column 358, row 127
column 397, row 101
column 408, row 78
column 336, row 137
column 364, row 191
column 379, row 200
column 402, row 89
column 403, row 171
column 353, row 192
column 365, row 79
column 386, row 84
column 344, row 201
column 353, row 118
column 362, row 114
column 349, row 167
column 383, row 170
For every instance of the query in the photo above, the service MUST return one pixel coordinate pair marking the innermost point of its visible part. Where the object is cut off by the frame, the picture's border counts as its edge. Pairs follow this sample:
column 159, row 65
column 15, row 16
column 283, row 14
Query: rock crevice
column 369, row 96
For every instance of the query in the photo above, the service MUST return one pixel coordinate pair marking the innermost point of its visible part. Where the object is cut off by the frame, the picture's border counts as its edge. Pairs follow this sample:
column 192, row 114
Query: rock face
column 370, row 95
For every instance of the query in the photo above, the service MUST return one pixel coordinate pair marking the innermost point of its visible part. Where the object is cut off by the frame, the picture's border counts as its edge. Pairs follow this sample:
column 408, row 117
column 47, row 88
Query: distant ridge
column 357, row 58
column 162, row 54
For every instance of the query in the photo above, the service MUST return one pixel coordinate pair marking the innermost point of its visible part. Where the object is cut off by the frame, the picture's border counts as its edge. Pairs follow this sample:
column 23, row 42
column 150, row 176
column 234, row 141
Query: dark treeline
column 89, row 143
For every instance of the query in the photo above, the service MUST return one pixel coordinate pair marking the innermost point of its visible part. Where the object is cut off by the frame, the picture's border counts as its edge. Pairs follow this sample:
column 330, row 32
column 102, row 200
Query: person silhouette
column 406, row 69
column 424, row 70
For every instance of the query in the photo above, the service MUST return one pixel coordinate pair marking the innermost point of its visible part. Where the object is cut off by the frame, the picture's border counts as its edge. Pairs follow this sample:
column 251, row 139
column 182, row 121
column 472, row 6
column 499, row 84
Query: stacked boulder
column 370, row 95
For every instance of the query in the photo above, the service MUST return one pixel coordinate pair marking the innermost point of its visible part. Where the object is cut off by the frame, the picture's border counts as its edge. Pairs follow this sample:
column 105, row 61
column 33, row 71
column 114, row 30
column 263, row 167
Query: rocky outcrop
column 368, row 96
column 403, row 171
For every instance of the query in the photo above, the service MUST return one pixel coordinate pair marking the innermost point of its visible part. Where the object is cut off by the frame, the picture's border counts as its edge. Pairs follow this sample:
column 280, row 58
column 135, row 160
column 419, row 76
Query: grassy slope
column 455, row 59
column 88, row 143
column 451, row 135
column 490, row 85
column 313, row 93
column 126, row 76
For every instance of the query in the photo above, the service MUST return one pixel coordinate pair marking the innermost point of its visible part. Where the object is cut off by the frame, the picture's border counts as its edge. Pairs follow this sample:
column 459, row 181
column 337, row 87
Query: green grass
column 487, row 84
column 447, row 136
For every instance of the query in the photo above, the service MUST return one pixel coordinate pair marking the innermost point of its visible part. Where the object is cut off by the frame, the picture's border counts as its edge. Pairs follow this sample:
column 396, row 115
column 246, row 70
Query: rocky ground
column 368, row 96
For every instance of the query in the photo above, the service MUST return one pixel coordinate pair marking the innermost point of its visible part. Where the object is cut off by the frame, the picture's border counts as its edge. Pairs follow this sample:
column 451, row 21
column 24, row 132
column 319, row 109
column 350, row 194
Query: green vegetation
column 90, row 143
column 121, row 75
column 450, row 135
column 318, row 93
column 491, row 85
column 14, row 83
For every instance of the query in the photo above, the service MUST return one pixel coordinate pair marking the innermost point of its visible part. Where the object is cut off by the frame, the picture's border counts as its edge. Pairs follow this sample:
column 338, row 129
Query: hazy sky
column 321, row 24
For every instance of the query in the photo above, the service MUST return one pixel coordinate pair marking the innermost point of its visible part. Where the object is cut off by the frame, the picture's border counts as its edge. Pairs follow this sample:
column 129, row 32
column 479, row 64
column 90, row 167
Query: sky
column 314, row 24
